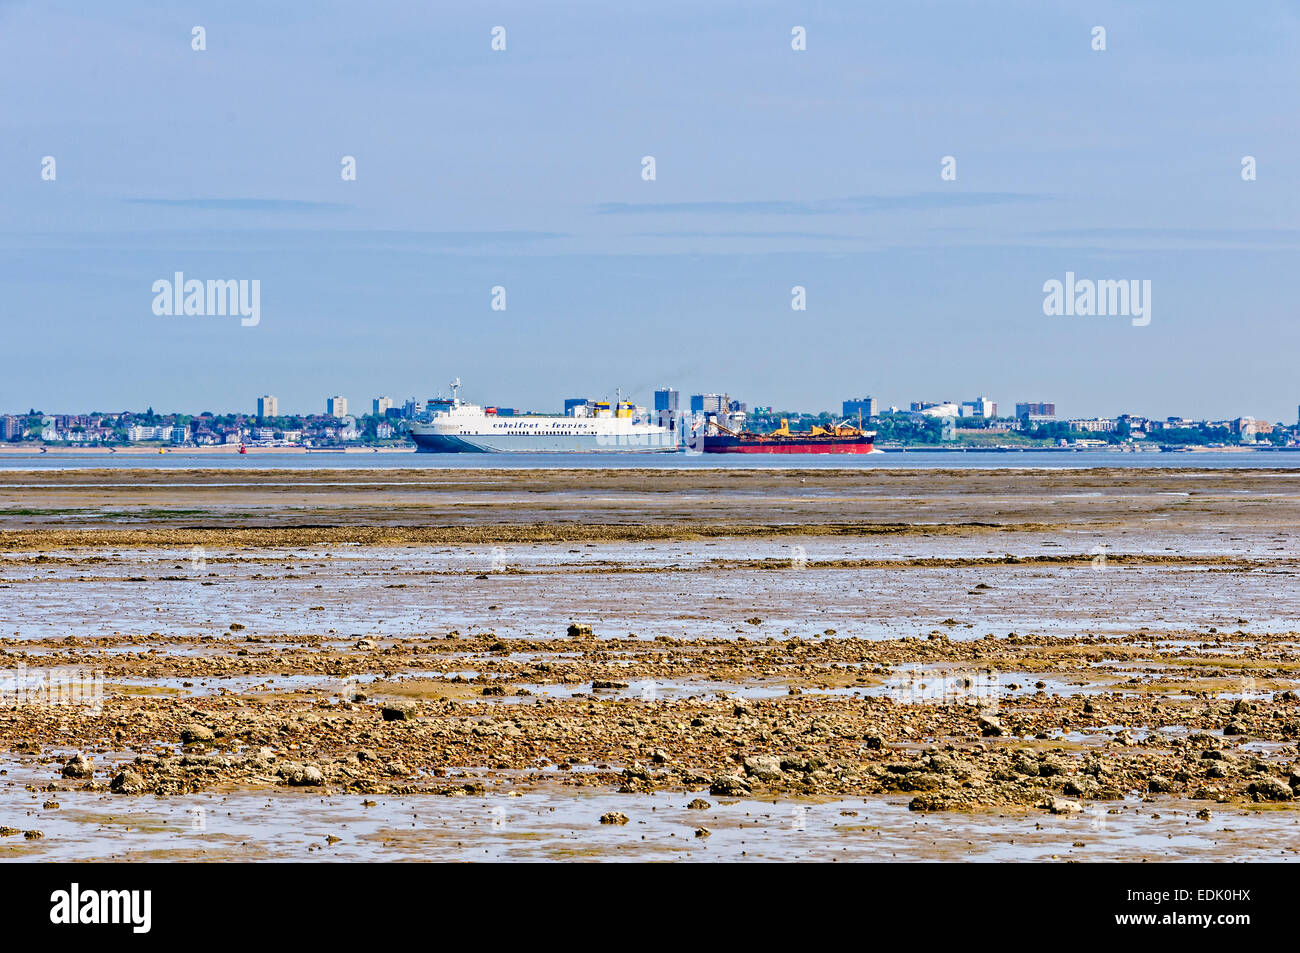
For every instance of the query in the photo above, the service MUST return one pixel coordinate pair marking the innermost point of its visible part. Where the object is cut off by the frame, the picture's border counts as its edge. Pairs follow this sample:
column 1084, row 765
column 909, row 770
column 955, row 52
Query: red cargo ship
column 842, row 438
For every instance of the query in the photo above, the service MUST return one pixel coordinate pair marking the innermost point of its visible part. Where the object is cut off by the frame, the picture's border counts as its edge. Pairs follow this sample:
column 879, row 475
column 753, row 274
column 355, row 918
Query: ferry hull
column 543, row 443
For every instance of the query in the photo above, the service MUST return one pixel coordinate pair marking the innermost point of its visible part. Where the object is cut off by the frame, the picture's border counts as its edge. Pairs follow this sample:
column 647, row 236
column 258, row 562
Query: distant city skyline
column 337, row 405
column 775, row 169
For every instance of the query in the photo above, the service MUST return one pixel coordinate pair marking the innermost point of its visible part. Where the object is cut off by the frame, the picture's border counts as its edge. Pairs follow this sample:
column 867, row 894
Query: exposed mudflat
column 843, row 664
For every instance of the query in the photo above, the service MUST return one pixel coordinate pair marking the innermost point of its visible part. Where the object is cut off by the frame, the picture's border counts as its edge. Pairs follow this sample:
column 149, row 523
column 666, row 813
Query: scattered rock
column 300, row 775
column 196, row 734
column 929, row 802
column 614, row 817
column 729, row 785
column 763, row 767
column 1051, row 766
column 1269, row 789
column 398, row 711
column 78, row 766
column 127, row 782
column 1060, row 805
column 1158, row 784
column 1025, row 766
column 1082, row 786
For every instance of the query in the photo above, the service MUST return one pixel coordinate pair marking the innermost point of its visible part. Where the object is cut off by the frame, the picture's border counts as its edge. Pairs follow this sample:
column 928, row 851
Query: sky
column 522, row 169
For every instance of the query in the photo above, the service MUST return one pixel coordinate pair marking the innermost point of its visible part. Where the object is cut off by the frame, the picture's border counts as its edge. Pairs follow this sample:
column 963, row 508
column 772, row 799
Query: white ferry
column 610, row 428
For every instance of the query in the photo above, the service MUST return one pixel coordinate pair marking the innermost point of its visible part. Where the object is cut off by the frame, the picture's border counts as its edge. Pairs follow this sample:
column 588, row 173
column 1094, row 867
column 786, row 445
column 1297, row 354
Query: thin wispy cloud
column 322, row 238
column 243, row 205
column 1236, row 235
column 816, row 236
column 851, row 205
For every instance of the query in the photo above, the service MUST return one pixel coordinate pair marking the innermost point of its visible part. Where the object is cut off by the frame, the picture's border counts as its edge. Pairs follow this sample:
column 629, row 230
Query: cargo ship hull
column 726, row 443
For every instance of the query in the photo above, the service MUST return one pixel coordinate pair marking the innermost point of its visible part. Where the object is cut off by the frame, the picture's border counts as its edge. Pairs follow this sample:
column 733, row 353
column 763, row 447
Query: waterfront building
column 1095, row 425
column 867, row 406
column 931, row 409
column 1036, row 411
column 709, row 404
column 979, row 407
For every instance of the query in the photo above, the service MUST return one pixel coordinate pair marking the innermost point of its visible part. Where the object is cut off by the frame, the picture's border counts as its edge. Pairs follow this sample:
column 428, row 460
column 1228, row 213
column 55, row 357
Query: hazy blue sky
column 775, row 168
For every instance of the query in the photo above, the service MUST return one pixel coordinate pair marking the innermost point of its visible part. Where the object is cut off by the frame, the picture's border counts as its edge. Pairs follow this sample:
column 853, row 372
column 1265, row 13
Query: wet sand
column 981, row 664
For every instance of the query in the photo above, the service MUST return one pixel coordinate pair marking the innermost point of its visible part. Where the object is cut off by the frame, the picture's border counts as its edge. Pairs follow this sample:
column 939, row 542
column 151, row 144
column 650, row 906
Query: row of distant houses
column 1244, row 427
column 1031, row 415
column 179, row 435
